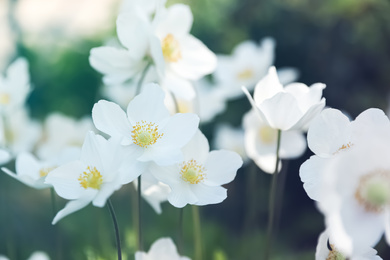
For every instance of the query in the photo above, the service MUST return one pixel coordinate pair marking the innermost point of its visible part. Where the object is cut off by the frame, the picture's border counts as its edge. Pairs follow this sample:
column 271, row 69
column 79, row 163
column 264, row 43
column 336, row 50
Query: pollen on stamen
column 344, row 147
column 245, row 74
column 45, row 171
column 334, row 254
column 145, row 134
column 171, row 48
column 192, row 172
column 4, row 98
column 91, row 178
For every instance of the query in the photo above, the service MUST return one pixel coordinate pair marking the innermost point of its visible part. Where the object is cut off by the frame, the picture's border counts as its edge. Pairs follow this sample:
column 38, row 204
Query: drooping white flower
column 14, row 86
column 39, row 255
column 147, row 129
column 286, row 108
column 261, row 142
column 198, row 178
column 32, row 172
column 162, row 249
column 351, row 181
column 326, row 250
column 62, row 132
column 101, row 170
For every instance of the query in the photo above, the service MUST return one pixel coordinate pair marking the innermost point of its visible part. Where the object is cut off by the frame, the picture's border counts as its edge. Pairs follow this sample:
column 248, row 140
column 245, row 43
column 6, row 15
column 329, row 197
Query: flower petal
column 197, row 148
column 181, row 195
column 268, row 87
column 208, row 195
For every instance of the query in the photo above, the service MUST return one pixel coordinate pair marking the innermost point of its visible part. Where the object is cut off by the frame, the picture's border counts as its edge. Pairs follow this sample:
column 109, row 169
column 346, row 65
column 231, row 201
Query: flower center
column 245, row 74
column 192, row 172
column 335, row 255
column 145, row 134
column 344, row 147
column 171, row 48
column 184, row 107
column 268, row 135
column 4, row 98
column 45, row 171
column 373, row 191
column 91, row 178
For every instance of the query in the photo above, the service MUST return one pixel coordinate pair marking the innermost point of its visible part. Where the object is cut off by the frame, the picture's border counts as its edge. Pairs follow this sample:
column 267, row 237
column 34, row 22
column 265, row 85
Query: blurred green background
column 342, row 43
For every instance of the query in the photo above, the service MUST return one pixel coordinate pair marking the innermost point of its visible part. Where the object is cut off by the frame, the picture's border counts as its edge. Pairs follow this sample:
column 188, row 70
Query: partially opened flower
column 162, row 249
column 286, row 108
column 261, row 142
column 101, row 170
column 198, row 178
column 327, row 250
column 148, row 129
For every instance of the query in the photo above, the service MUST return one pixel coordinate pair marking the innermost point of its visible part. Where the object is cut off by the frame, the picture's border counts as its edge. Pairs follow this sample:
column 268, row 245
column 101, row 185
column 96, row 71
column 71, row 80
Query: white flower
column 230, row 138
column 147, row 129
column 14, row 86
column 261, row 142
column 38, row 255
column 62, row 132
column 32, row 172
column 162, row 249
column 323, row 252
column 198, row 178
column 100, row 171
column 288, row 108
column 351, row 183
column 148, row 6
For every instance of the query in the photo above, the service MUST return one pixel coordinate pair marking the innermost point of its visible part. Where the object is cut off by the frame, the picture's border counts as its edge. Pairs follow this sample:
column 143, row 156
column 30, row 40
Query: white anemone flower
column 148, row 129
column 161, row 249
column 326, row 250
column 39, row 255
column 14, row 86
column 101, row 170
column 62, row 132
column 32, row 172
column 286, row 108
column 261, row 142
column 198, row 178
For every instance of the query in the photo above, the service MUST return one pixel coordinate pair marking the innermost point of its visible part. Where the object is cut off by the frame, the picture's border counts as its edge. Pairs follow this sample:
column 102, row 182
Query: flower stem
column 140, row 245
column 197, row 233
column 53, row 201
column 141, row 79
column 118, row 241
column 271, row 209
column 180, row 232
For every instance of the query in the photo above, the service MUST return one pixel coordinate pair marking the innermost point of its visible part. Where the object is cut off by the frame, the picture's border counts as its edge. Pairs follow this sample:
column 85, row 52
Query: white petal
column 157, row 55
column 292, row 144
column 260, row 114
column 268, row 87
column 181, row 195
column 90, row 152
column 5, row 156
column 197, row 148
column 169, row 175
column 109, row 118
column 304, row 122
column 105, row 191
column 177, row 20
column 163, row 249
column 287, row 75
column 372, row 121
column 221, row 167
column 181, row 88
column 27, row 180
column 311, row 175
column 208, row 195
column 162, row 155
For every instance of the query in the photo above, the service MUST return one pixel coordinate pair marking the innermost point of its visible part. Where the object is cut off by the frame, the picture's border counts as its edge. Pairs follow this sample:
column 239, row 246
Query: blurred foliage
column 343, row 43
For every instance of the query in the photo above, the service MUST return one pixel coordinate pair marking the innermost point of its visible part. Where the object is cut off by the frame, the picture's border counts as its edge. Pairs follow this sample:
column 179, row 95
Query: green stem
column 141, row 79
column 197, row 233
column 180, row 232
column 53, row 201
column 140, row 245
column 271, row 209
column 118, row 241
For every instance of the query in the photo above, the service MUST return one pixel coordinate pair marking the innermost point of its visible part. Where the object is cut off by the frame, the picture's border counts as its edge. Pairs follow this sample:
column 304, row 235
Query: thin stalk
column 197, row 233
column 140, row 244
column 141, row 79
column 180, row 232
column 53, row 201
column 117, row 237
column 271, row 209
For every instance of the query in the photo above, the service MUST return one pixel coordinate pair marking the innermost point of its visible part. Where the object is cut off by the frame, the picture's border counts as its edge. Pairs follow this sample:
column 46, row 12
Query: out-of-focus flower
column 248, row 63
column 161, row 249
column 198, row 178
column 62, row 132
column 261, row 142
column 148, row 6
column 32, row 172
column 14, row 86
column 351, row 183
column 326, row 250
column 230, row 138
column 286, row 108
column 101, row 170
column 39, row 255
column 7, row 43
column 147, row 129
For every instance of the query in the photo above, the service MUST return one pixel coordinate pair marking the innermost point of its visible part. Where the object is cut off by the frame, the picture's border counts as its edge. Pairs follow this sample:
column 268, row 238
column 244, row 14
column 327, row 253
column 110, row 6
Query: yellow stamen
column 145, row 134
column 192, row 172
column 91, row 178
column 268, row 135
column 45, row 171
column 245, row 74
column 171, row 49
column 334, row 254
column 344, row 147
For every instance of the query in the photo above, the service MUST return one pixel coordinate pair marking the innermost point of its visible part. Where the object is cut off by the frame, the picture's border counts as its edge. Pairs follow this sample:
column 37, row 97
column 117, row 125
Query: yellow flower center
column 192, row 172
column 45, row 171
column 334, row 254
column 344, row 147
column 4, row 98
column 171, row 48
column 245, row 74
column 184, row 107
column 268, row 135
column 91, row 178
column 145, row 134
column 373, row 191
